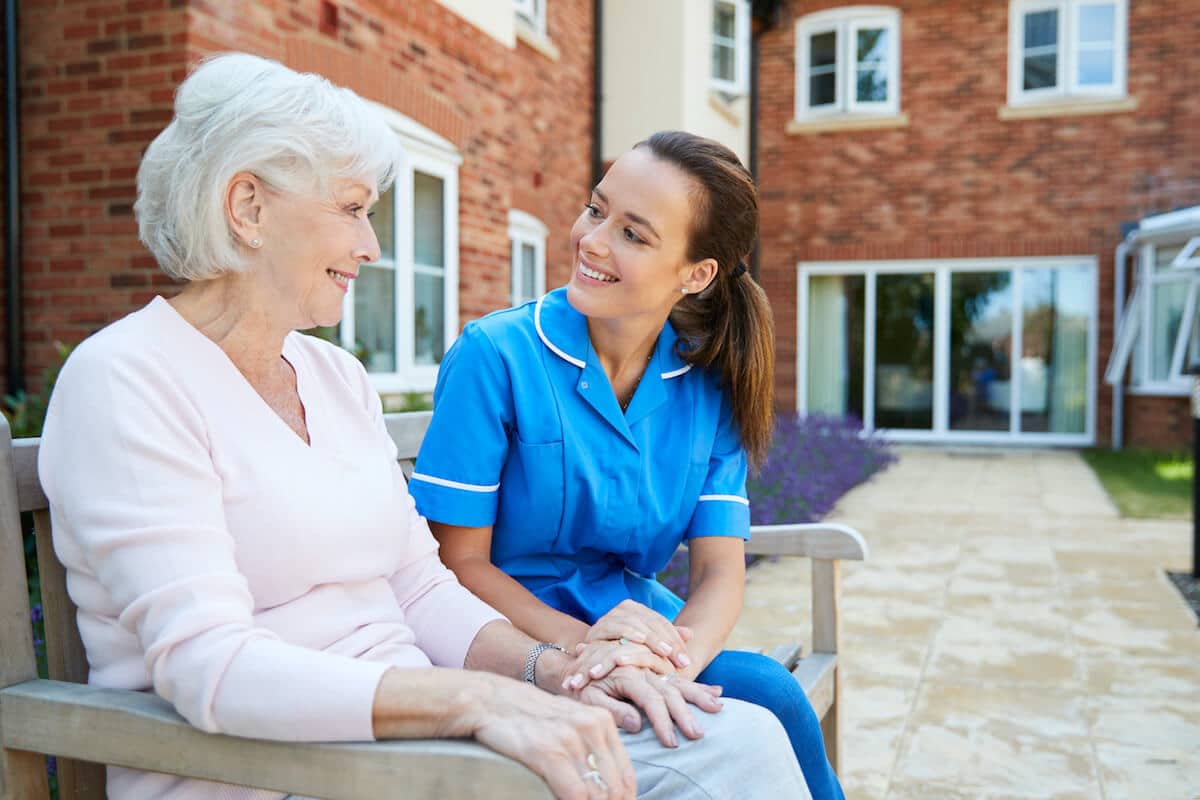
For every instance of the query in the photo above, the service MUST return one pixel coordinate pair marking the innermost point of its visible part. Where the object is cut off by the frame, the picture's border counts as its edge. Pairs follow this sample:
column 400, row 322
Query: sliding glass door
column 904, row 351
column 983, row 350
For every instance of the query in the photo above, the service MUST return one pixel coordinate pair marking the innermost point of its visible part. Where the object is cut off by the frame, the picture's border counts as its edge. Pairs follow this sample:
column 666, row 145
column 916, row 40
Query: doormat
column 1188, row 586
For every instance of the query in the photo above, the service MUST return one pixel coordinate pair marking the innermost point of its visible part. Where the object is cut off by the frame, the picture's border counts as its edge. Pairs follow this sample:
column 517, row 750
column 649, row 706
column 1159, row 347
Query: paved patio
column 1010, row 636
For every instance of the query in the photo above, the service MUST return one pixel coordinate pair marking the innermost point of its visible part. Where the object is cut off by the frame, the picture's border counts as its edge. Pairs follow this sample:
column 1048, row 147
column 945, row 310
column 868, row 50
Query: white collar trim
column 558, row 351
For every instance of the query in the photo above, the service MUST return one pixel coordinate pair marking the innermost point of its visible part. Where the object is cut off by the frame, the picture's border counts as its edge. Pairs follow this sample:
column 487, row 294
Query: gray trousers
column 745, row 754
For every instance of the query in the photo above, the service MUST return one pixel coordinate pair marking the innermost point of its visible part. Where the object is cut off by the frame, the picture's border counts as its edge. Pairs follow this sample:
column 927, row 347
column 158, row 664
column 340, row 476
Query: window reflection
column 1054, row 348
column 904, row 351
column 835, row 355
column 980, row 351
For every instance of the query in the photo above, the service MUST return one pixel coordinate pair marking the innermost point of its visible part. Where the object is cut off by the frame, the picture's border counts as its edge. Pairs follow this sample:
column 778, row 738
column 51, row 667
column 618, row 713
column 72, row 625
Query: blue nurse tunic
column 586, row 503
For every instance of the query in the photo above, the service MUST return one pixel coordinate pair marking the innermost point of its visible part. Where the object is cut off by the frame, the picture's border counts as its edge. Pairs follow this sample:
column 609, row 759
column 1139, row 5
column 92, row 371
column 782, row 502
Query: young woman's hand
column 639, row 624
column 595, row 659
column 666, row 701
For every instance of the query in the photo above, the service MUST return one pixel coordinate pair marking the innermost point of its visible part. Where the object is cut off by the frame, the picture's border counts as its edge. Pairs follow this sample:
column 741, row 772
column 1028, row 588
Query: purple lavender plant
column 812, row 462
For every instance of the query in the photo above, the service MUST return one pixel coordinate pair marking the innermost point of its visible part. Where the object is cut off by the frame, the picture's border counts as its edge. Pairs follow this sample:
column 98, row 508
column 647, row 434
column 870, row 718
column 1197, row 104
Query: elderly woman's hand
column 633, row 622
column 666, row 701
column 574, row 747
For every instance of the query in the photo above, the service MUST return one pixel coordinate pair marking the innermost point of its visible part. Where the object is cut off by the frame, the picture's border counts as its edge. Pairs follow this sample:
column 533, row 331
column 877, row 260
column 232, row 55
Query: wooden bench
column 88, row 727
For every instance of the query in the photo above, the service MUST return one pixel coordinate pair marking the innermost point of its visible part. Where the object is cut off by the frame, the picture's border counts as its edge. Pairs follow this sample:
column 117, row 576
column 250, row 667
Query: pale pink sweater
column 259, row 584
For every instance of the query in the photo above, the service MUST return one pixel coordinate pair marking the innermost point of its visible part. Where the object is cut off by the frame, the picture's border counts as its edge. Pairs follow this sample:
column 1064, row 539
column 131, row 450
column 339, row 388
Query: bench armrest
column 820, row 540
column 142, row 731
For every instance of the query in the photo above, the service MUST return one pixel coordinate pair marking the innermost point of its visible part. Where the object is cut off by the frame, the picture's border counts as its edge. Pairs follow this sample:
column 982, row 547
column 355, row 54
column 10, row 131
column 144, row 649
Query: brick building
column 494, row 107
column 945, row 184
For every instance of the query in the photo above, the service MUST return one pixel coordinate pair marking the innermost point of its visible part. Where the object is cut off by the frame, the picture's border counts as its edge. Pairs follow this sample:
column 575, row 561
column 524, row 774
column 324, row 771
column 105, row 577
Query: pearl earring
column 256, row 243
column 683, row 290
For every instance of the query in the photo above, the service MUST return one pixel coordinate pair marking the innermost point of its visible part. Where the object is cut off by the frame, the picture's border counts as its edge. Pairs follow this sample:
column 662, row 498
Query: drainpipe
column 764, row 16
column 13, row 338
column 753, row 144
column 1118, row 390
column 597, row 91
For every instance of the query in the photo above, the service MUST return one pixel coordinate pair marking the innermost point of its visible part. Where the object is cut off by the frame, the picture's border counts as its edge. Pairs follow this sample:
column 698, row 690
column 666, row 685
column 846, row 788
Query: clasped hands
column 630, row 663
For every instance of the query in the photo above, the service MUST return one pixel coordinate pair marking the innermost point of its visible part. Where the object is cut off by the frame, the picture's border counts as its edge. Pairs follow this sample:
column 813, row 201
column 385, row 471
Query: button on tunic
column 586, row 503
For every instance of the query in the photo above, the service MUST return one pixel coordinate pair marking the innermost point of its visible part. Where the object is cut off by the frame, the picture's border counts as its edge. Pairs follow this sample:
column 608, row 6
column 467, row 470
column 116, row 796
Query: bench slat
column 142, row 731
column 407, row 430
column 816, row 675
column 822, row 540
column 788, row 654
column 30, row 496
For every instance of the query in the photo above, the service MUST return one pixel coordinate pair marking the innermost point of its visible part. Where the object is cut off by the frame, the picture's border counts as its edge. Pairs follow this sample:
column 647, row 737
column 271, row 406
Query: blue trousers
column 763, row 681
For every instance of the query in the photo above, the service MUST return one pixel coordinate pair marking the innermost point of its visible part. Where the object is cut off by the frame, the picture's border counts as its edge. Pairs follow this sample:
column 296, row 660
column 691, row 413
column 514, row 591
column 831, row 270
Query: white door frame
column 942, row 269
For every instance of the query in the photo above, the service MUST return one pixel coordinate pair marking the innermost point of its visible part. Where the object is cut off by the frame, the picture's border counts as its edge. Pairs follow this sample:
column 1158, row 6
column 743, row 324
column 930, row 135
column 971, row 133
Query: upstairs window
column 848, row 62
column 1066, row 49
column 731, row 46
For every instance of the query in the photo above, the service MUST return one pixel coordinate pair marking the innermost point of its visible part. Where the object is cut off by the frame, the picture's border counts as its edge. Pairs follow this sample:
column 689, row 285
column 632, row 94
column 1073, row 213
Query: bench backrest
column 22, row 498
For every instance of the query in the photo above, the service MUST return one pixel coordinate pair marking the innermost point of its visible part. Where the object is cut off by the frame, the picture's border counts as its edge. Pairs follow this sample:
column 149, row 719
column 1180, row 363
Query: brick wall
column 1161, row 423
column 958, row 182
column 98, row 80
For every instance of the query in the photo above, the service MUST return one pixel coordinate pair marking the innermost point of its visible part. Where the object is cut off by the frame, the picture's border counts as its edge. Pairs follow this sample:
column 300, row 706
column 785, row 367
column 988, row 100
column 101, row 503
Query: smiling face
column 312, row 248
column 631, row 242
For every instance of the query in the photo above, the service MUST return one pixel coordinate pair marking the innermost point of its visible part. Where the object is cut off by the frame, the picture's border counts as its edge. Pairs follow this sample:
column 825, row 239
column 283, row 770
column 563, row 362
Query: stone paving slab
column 1010, row 637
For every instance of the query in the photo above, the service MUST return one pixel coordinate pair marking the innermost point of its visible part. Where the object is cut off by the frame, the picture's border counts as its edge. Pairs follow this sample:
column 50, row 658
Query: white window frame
column 845, row 23
column 422, row 151
column 1181, row 274
column 526, row 229
column 1069, row 48
column 942, row 270
column 532, row 13
column 740, row 85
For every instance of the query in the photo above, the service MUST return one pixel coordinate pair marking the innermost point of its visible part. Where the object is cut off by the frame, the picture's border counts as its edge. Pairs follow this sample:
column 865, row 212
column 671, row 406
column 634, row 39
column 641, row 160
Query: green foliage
column 1144, row 483
column 26, row 412
column 408, row 401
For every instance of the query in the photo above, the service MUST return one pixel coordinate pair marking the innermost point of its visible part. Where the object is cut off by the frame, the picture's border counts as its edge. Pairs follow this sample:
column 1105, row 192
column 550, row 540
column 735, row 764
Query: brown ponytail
column 728, row 327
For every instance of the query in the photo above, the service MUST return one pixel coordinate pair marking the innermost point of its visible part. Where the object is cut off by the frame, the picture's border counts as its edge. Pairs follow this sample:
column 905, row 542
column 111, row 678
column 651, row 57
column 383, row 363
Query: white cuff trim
column 466, row 487
column 728, row 498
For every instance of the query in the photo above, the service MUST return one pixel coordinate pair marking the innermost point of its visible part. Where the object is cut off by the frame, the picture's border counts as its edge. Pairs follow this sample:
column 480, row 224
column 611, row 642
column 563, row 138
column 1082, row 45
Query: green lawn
column 1145, row 484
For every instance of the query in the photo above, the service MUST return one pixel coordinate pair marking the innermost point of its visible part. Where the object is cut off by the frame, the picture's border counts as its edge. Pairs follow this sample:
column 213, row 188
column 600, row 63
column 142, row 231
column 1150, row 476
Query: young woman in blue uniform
column 579, row 439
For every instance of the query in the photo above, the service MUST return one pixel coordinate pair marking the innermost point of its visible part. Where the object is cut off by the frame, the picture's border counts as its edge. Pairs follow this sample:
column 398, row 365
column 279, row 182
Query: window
column 985, row 350
column 532, row 13
column 1066, row 49
column 731, row 46
column 1169, row 296
column 401, row 313
column 1155, row 328
column 528, row 237
column 848, row 62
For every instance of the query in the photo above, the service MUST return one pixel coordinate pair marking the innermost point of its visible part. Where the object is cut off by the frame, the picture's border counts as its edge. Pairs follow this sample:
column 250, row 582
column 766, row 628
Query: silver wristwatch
column 534, row 654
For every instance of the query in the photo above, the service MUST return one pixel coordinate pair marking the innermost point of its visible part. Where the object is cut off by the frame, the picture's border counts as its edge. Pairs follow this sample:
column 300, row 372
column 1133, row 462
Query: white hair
column 240, row 113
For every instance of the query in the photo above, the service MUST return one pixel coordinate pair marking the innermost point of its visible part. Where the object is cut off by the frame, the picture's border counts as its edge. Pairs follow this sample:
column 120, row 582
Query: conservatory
column 1155, row 322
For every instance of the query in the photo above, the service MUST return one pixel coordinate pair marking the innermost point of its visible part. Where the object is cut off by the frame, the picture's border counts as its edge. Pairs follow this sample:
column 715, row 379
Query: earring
column 683, row 290
column 256, row 243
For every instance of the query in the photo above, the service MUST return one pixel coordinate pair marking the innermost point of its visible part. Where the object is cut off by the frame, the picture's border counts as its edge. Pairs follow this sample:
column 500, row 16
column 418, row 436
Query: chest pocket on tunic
column 531, row 498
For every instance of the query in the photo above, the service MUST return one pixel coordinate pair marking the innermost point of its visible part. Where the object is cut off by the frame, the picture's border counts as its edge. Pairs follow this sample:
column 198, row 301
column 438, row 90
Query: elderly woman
column 236, row 531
